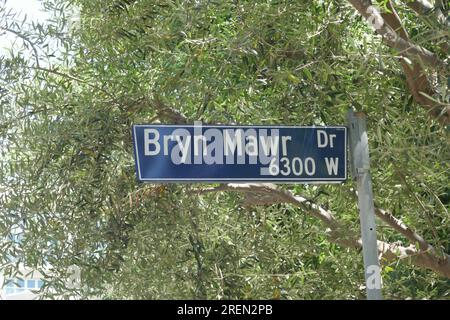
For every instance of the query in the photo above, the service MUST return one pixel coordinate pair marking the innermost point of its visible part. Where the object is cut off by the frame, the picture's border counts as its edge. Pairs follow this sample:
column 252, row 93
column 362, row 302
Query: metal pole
column 360, row 165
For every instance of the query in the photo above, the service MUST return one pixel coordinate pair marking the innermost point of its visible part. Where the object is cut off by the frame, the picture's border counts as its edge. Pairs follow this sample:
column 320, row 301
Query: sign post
column 277, row 154
column 360, row 165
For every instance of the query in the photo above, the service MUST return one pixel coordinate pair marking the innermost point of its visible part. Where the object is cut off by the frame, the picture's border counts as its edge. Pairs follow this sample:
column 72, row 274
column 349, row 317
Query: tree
column 70, row 95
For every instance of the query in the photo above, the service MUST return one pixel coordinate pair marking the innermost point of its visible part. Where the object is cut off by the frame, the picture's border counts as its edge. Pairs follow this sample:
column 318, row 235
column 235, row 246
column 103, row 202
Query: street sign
column 225, row 153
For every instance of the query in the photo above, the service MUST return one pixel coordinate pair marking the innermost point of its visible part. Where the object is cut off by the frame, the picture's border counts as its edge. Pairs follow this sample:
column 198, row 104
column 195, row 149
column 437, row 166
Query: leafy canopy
column 70, row 94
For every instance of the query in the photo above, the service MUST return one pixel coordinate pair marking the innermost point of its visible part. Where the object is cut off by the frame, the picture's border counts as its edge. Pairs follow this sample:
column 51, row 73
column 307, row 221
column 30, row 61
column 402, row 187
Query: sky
column 30, row 8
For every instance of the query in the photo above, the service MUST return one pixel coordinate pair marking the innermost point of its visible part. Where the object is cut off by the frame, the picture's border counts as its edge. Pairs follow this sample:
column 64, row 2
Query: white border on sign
column 275, row 179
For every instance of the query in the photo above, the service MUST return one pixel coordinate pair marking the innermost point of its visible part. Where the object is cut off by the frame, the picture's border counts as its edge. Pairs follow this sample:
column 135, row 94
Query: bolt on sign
column 225, row 153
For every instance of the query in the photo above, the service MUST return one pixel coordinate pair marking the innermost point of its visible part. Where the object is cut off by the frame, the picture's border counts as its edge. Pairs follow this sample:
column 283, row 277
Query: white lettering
column 148, row 142
column 233, row 139
column 321, row 134
column 181, row 151
column 311, row 168
column 269, row 144
column 332, row 137
column 332, row 165
column 284, row 140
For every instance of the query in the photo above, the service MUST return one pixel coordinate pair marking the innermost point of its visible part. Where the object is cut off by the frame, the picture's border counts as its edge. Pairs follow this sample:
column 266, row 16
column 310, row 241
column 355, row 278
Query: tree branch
column 71, row 77
column 427, row 10
column 162, row 111
column 425, row 256
column 393, row 20
column 168, row 113
column 389, row 25
column 399, row 226
column 21, row 36
column 416, row 78
column 371, row 13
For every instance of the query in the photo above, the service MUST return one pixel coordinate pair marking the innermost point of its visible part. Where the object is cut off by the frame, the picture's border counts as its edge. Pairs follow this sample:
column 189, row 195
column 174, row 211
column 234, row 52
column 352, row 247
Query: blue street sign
column 223, row 153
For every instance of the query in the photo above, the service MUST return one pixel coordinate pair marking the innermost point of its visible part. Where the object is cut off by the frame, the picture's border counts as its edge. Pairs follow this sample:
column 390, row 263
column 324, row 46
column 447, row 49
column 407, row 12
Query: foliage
column 71, row 93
